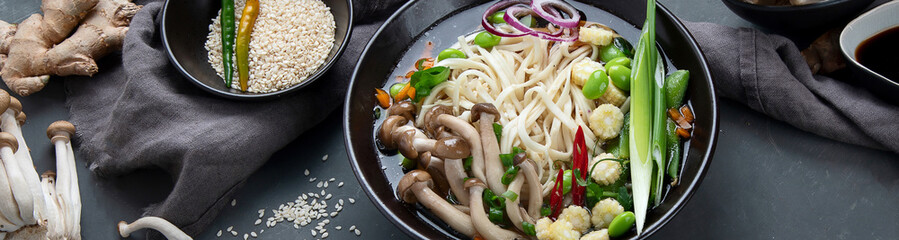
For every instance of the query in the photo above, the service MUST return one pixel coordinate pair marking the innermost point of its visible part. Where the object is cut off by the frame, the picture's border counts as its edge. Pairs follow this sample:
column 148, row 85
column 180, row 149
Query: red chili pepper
column 555, row 197
column 579, row 162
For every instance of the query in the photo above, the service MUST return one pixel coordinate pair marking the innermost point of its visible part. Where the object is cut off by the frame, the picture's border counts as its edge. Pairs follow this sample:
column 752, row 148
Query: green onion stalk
column 644, row 84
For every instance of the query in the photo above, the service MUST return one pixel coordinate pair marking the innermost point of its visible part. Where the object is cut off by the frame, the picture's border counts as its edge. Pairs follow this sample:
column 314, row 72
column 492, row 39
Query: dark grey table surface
column 768, row 180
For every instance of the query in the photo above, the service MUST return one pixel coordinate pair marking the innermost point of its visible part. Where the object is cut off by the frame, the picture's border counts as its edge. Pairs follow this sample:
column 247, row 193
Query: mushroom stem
column 10, row 122
column 535, row 197
column 436, row 168
column 513, row 208
column 472, row 137
column 67, row 191
column 167, row 229
column 455, row 176
column 494, row 166
column 8, row 207
column 51, row 212
column 415, row 186
column 17, row 182
column 479, row 216
column 423, row 144
column 7, row 226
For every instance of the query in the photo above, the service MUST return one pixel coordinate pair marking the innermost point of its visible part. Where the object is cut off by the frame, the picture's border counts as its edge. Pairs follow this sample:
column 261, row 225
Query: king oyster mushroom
column 485, row 228
column 416, row 186
column 485, row 114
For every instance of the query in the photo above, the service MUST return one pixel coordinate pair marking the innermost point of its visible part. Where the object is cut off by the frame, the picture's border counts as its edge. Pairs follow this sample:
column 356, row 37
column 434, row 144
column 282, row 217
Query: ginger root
column 42, row 46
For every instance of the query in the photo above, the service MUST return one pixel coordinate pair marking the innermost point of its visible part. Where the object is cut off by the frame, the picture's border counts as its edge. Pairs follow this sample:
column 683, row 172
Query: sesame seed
column 258, row 221
column 332, row 179
column 233, row 202
column 306, row 172
column 352, row 228
column 245, row 236
column 340, row 184
column 218, row 234
column 325, row 158
column 324, row 235
column 314, row 233
column 312, row 179
column 338, row 227
column 253, row 234
column 230, row 228
column 234, row 233
column 352, row 201
column 357, row 232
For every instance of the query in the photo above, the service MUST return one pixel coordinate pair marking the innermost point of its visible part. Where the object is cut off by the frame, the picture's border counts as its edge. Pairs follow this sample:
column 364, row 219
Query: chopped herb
column 423, row 81
column 467, row 163
column 510, row 195
column 498, row 130
column 528, row 228
column 508, row 159
column 510, row 175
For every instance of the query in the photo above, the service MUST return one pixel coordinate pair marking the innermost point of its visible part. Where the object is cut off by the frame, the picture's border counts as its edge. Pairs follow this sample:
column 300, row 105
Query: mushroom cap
column 21, row 118
column 4, row 101
column 404, row 141
column 385, row 135
column 481, row 108
column 472, row 182
column 430, row 118
column 453, row 147
column 405, row 184
column 15, row 104
column 403, row 108
column 520, row 158
column 424, row 159
column 60, row 129
column 8, row 140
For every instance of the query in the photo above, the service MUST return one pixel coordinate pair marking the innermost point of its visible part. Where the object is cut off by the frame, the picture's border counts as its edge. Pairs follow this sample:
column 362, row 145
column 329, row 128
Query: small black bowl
column 812, row 18
column 185, row 25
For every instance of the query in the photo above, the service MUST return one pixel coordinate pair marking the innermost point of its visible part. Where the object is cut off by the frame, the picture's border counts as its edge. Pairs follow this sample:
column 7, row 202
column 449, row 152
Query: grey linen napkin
column 768, row 74
column 141, row 113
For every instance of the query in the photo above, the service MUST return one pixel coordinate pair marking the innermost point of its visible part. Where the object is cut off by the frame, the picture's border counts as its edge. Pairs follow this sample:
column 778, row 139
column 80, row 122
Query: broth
column 880, row 53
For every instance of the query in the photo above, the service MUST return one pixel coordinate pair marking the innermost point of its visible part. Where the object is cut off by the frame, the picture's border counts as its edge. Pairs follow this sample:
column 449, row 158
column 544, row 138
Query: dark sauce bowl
column 185, row 25
column 398, row 42
column 812, row 18
column 867, row 25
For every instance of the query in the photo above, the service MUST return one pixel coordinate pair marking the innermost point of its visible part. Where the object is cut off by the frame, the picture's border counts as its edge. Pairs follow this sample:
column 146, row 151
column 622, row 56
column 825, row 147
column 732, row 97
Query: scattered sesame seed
column 325, row 185
column 352, row 228
column 218, row 234
column 328, row 197
column 338, row 227
column 357, row 232
column 230, row 228
column 245, row 236
column 325, row 158
column 340, row 201
column 384, row 168
column 332, row 179
column 324, row 235
column 253, row 234
column 352, row 200
column 340, row 184
column 313, row 232
column 233, row 202
column 306, row 172
column 319, row 185
column 258, row 221
column 234, row 233
column 312, row 179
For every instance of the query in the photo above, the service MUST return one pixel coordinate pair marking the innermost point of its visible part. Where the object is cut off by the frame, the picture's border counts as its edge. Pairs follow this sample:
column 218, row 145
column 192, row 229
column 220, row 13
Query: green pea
column 676, row 88
column 609, row 52
column 528, row 21
column 596, row 85
column 621, row 224
column 620, row 61
column 566, row 182
column 396, row 88
column 450, row 53
column 486, row 40
column 497, row 17
column 621, row 77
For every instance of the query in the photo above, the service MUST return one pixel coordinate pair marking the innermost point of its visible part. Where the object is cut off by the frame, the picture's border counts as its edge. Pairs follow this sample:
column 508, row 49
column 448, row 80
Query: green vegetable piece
column 528, row 228
column 623, row 45
column 450, row 53
column 676, row 88
column 512, row 196
column 408, row 164
column 496, row 215
column 566, row 181
column 486, row 40
column 510, row 175
column 509, row 158
column 609, row 52
column 497, row 17
column 493, row 201
column 528, row 20
column 620, row 61
column 674, row 149
column 621, row 77
column 624, row 198
column 228, row 32
column 467, row 163
column 624, row 139
column 423, row 81
column 621, row 224
column 545, row 211
column 593, row 194
column 396, row 88
column 498, row 130
column 596, row 85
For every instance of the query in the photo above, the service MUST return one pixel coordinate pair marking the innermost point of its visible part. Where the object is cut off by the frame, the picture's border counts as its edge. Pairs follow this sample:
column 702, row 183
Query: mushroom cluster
column 32, row 206
column 439, row 148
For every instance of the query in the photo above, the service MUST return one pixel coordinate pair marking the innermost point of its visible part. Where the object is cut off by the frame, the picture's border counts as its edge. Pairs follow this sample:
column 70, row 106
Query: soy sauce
column 880, row 53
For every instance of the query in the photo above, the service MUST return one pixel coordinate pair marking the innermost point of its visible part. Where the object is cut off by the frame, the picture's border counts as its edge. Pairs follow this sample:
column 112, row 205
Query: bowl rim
column 690, row 190
column 856, row 21
column 324, row 68
column 789, row 8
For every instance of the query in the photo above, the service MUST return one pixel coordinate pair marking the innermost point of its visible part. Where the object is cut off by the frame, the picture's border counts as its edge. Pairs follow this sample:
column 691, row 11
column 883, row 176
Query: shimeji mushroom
column 67, row 192
column 436, row 167
column 403, row 109
column 430, row 123
column 467, row 132
column 455, row 176
column 411, row 141
column 485, row 228
column 535, row 197
column 52, row 215
column 167, row 229
column 485, row 114
column 513, row 208
column 416, row 186
column 17, row 182
column 10, row 121
column 10, row 218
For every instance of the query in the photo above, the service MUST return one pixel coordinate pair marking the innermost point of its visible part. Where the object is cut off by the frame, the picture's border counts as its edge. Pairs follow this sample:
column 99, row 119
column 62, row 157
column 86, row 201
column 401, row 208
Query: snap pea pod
column 676, row 87
column 247, row 21
column 673, row 149
column 227, row 22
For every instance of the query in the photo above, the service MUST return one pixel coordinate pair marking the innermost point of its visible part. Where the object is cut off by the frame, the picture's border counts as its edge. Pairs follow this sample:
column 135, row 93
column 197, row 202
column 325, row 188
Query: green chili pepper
column 676, row 87
column 227, row 22
column 486, row 40
column 247, row 21
column 596, row 85
column 673, row 149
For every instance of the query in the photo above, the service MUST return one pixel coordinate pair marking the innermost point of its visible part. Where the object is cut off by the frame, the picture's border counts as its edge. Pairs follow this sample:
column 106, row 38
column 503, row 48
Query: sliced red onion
column 495, row 8
column 541, row 7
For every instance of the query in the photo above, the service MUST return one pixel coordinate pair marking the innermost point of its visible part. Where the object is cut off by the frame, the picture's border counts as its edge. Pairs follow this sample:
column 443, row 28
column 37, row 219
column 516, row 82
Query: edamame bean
column 596, row 85
column 396, row 88
column 676, row 88
column 497, row 17
column 450, row 53
column 620, row 61
column 621, row 77
column 609, row 52
column 621, row 224
column 486, row 40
